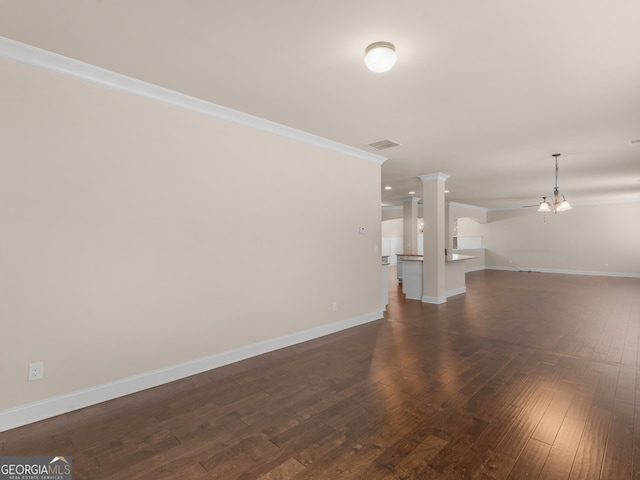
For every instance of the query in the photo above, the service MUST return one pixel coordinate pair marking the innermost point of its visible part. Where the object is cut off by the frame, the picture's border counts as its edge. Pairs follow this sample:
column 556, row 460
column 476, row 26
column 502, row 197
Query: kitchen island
column 402, row 257
column 412, row 275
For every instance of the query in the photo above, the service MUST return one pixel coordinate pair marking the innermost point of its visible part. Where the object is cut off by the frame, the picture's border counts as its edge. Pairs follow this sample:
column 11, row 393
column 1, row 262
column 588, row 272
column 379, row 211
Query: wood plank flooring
column 527, row 375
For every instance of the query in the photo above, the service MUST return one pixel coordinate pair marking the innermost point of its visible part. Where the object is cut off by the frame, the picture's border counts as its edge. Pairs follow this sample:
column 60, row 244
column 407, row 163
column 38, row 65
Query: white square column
column 410, row 225
column 433, row 212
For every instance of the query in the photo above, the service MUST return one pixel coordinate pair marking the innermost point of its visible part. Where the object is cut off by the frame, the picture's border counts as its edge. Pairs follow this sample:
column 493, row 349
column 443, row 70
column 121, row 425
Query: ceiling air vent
column 383, row 144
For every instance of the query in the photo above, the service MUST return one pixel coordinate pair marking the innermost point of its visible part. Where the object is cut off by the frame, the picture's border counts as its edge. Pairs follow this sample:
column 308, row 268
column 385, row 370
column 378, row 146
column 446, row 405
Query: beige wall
column 392, row 228
column 460, row 210
column 395, row 212
column 588, row 239
column 136, row 235
column 469, row 227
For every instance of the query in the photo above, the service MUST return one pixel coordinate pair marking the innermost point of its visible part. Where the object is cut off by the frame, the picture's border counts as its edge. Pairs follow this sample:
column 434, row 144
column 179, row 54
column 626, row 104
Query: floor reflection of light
column 408, row 367
column 474, row 323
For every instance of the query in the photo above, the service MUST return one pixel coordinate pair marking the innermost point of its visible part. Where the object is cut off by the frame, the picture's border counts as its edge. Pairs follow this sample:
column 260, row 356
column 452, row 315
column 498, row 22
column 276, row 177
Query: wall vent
column 383, row 144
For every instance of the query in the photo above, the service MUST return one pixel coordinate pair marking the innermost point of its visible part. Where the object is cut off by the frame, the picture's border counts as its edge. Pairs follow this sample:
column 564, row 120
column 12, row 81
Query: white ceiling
column 484, row 91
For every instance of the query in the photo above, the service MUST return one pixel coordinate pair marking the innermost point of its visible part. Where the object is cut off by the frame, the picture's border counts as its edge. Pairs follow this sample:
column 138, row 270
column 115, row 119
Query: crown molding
column 433, row 176
column 464, row 205
column 46, row 60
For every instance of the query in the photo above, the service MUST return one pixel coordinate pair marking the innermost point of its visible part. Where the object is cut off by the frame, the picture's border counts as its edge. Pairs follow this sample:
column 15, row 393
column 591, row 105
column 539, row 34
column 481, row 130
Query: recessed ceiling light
column 412, row 193
column 388, row 187
column 446, row 191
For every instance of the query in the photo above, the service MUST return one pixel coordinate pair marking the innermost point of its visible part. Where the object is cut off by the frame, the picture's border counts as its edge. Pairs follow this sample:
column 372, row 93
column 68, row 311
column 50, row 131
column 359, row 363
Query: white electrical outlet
column 36, row 371
column 334, row 307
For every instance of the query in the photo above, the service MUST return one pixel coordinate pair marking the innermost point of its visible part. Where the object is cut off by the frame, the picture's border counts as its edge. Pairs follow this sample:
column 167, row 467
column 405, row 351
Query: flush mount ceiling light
column 558, row 205
column 380, row 56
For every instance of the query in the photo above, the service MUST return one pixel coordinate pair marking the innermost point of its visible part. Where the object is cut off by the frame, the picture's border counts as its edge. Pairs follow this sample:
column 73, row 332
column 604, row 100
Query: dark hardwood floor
column 527, row 375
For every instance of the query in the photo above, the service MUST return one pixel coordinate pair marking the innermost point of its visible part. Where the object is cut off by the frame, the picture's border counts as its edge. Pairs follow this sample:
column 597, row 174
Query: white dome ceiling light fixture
column 380, row 57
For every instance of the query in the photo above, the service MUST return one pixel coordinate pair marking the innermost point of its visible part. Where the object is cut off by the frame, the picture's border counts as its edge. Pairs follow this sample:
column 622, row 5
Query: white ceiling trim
column 433, row 176
column 37, row 57
column 465, row 205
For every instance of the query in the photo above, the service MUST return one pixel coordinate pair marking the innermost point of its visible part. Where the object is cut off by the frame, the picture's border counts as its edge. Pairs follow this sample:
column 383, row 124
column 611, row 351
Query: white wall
column 137, row 236
column 392, row 238
column 597, row 239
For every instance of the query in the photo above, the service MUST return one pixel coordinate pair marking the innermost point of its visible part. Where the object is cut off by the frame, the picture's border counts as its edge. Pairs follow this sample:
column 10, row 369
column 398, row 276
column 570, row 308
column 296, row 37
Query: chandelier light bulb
column 544, row 206
column 564, row 205
column 380, row 57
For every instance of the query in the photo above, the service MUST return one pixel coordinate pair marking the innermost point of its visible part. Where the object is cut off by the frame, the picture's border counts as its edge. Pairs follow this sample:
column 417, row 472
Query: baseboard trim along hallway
column 36, row 411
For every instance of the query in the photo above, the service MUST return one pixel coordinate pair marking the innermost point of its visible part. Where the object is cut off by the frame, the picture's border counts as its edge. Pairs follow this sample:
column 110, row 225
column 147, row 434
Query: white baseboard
column 58, row 405
column 449, row 293
column 475, row 269
column 456, row 291
column 566, row 272
column 434, row 300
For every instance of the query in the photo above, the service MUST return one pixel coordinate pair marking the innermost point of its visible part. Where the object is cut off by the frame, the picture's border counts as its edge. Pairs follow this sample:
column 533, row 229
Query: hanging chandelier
column 558, row 205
